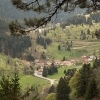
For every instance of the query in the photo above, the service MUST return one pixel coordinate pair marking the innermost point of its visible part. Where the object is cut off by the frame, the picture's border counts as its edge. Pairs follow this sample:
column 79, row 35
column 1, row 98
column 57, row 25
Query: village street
column 40, row 76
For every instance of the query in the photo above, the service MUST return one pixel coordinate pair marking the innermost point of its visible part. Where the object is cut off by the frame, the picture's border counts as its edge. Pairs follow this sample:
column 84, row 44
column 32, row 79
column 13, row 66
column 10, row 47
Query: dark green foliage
column 59, row 47
column 43, row 41
column 45, row 46
column 50, row 71
column 45, row 33
column 83, row 80
column 68, row 48
column 92, row 90
column 70, row 72
column 52, row 89
column 88, row 32
column 30, row 58
column 97, row 33
column 71, row 44
column 44, row 73
column 10, row 88
column 43, row 56
column 53, row 69
column 96, row 63
column 64, row 58
column 83, row 35
column 63, row 89
column 14, row 46
column 65, row 71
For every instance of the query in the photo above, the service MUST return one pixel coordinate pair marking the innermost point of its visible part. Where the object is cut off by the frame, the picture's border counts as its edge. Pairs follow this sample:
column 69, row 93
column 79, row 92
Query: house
column 48, row 63
column 37, row 61
column 66, row 63
column 39, row 72
column 40, row 65
column 74, row 61
column 84, row 59
column 57, row 62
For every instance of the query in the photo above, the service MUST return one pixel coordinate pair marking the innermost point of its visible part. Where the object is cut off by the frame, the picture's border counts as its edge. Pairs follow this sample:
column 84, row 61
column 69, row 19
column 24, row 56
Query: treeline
column 82, row 84
column 81, row 19
column 49, row 70
column 3, row 25
column 14, row 46
column 43, row 41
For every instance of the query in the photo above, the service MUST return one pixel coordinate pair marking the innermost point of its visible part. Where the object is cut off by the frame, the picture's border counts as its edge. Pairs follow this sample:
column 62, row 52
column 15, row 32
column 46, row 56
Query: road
column 40, row 76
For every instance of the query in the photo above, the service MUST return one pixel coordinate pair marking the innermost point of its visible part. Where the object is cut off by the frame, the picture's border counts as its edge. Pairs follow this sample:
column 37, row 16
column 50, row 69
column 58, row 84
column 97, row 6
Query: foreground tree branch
column 49, row 8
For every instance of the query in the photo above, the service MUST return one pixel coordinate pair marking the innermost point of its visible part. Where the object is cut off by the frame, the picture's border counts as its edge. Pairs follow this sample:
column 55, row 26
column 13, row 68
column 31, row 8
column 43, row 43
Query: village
column 39, row 64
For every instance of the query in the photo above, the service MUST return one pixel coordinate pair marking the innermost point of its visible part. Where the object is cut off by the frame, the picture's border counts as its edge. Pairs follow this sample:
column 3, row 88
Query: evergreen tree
column 92, row 91
column 64, row 58
column 68, row 48
column 71, row 44
column 65, row 71
column 52, row 89
column 44, row 73
column 10, row 88
column 63, row 89
column 52, row 68
column 50, row 71
column 59, row 47
column 88, row 32
column 83, row 80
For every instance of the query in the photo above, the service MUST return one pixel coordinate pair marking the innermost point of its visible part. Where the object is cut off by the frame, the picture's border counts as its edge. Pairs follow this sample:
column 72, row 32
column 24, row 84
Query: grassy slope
column 60, row 36
column 25, row 80
column 28, row 80
column 60, row 72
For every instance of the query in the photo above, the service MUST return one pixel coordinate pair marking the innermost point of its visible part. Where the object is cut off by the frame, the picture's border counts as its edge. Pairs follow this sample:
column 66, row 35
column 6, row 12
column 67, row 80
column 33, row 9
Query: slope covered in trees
column 14, row 46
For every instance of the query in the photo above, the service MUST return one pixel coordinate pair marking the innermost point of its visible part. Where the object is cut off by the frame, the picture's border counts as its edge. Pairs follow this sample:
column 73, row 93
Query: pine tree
column 10, row 88
column 52, row 89
column 92, row 91
column 59, row 47
column 63, row 89
column 83, row 80
column 44, row 73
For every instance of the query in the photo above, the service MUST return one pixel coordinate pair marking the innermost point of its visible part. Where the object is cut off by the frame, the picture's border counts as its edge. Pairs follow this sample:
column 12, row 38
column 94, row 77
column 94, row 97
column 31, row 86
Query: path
column 40, row 76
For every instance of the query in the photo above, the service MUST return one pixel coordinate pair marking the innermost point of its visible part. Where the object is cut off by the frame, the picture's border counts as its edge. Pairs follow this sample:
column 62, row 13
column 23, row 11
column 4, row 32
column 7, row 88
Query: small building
column 39, row 72
column 84, row 59
column 66, row 63
column 57, row 62
column 74, row 61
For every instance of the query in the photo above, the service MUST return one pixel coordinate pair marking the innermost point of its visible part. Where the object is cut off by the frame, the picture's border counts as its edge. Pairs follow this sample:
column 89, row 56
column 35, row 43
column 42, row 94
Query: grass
column 60, row 72
column 28, row 80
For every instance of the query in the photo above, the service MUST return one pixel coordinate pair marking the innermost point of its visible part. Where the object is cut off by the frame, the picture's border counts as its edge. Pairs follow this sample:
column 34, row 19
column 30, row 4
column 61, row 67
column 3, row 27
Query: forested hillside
column 14, row 46
column 82, row 19
column 3, row 25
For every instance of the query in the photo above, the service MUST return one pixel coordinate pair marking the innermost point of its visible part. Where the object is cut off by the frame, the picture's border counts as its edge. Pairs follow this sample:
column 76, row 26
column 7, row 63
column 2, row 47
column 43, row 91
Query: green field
column 60, row 72
column 28, row 80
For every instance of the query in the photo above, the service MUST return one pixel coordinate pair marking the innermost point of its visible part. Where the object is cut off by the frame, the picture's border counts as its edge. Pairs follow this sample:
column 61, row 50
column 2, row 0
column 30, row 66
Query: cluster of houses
column 40, row 64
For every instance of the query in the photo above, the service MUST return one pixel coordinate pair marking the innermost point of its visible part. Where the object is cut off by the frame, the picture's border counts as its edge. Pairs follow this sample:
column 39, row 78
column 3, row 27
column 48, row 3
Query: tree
column 65, row 71
column 52, row 89
column 51, row 96
column 92, row 90
column 44, row 73
column 10, row 88
column 50, row 8
column 63, row 89
column 59, row 47
column 85, row 76
column 64, row 58
column 68, row 48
